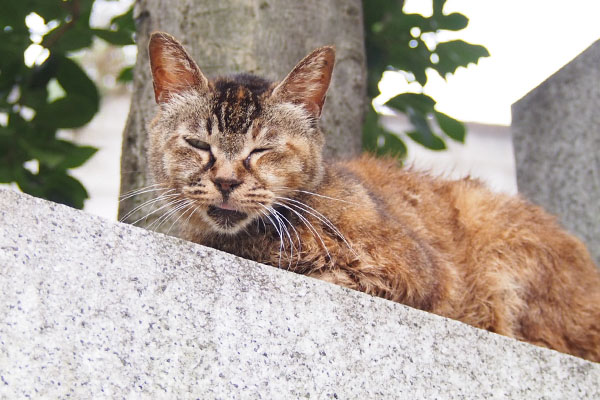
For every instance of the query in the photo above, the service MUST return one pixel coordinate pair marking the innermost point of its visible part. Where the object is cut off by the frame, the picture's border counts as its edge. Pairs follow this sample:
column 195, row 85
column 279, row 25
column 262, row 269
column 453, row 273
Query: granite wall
column 96, row 309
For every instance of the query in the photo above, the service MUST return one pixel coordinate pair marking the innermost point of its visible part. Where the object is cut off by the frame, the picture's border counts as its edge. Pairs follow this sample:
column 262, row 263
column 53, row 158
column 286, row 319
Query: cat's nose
column 225, row 186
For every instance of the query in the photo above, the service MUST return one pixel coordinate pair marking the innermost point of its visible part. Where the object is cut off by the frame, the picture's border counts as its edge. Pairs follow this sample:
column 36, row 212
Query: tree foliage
column 399, row 41
column 54, row 92
column 31, row 112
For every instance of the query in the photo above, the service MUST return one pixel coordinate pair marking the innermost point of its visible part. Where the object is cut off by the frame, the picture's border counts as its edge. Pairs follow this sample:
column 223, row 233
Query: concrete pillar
column 556, row 133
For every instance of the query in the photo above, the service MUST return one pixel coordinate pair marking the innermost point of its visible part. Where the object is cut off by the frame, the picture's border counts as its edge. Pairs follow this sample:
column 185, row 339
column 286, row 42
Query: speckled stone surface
column 556, row 133
column 95, row 309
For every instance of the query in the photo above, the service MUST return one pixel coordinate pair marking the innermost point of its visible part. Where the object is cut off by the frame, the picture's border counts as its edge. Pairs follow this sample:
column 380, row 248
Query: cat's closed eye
column 253, row 153
column 198, row 144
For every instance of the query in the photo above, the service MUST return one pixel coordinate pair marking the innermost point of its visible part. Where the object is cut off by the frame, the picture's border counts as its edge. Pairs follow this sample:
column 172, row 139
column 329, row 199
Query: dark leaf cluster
column 399, row 41
column 31, row 112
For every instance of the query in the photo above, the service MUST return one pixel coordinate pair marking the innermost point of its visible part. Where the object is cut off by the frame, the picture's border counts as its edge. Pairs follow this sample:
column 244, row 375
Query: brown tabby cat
column 239, row 158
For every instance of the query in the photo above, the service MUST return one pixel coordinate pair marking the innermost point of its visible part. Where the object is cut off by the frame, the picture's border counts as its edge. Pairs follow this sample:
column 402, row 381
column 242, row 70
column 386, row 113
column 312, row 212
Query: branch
column 74, row 8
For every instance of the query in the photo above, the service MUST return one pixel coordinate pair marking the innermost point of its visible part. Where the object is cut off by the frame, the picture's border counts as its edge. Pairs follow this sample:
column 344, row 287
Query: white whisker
column 283, row 232
column 163, row 196
column 136, row 192
column 188, row 206
column 169, row 209
column 281, row 219
column 306, row 208
column 125, row 197
column 142, row 188
column 177, row 205
column 170, row 203
column 319, row 195
column 307, row 223
column 291, row 241
column 267, row 215
column 190, row 216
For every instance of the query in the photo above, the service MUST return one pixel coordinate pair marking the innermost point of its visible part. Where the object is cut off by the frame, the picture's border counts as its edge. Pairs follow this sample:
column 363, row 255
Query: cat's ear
column 308, row 82
column 173, row 70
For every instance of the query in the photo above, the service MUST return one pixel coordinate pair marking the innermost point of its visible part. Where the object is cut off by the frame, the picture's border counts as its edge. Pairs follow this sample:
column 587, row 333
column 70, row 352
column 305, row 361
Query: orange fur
column 242, row 159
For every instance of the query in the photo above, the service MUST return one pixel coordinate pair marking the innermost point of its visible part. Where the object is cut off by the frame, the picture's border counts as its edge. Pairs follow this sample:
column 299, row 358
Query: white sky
column 528, row 41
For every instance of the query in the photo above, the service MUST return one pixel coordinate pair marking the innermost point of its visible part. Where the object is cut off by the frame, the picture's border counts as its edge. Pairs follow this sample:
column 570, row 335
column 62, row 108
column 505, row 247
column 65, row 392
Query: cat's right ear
column 173, row 70
column 308, row 82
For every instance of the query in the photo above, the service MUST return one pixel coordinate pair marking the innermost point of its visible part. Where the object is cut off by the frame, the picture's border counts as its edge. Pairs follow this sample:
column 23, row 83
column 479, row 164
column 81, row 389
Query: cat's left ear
column 308, row 82
column 173, row 70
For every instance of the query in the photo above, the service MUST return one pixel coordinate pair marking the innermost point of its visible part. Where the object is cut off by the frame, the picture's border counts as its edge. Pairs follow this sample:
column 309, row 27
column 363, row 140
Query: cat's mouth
column 227, row 218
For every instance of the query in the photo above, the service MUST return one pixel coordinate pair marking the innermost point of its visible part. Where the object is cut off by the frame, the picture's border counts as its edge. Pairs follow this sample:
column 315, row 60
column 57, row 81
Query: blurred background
column 527, row 42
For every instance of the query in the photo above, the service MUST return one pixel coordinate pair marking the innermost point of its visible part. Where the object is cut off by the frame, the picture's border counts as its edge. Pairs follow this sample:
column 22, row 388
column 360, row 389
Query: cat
column 240, row 160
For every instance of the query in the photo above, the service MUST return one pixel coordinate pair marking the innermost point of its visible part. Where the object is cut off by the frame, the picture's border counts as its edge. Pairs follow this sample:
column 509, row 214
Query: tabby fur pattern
column 239, row 161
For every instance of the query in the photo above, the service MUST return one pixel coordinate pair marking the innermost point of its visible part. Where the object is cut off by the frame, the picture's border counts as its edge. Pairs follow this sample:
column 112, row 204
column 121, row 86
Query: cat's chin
column 226, row 221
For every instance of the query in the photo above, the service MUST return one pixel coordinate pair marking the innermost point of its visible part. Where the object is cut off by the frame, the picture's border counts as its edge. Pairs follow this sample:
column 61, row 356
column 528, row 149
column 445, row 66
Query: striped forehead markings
column 235, row 108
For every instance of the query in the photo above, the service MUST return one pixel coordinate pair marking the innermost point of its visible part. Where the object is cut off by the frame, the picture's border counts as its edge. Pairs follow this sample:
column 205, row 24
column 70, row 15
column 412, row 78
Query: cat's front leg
column 405, row 281
column 365, row 278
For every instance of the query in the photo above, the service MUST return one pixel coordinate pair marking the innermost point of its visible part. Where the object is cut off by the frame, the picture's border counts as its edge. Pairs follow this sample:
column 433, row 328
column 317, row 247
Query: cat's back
column 460, row 212
column 405, row 190
column 426, row 204
column 459, row 206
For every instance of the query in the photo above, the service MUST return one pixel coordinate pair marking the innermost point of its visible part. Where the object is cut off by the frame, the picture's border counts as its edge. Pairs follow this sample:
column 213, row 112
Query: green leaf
column 58, row 154
column 23, row 140
column 10, row 73
column 457, row 53
column 390, row 45
column 63, row 188
column 119, row 38
column 57, row 186
column 417, row 101
column 34, row 92
column 74, row 79
column 80, row 103
column 392, row 146
column 42, row 74
column 418, row 106
column 49, row 10
column 378, row 141
column 451, row 127
column 124, row 21
column 13, row 44
column 77, row 155
column 9, row 155
column 371, row 131
column 14, row 13
column 75, row 34
column 377, row 10
column 6, row 175
column 47, row 156
column 432, row 141
column 5, row 132
column 407, row 21
column 438, row 7
column 126, row 74
column 423, row 133
column 73, row 38
column 453, row 22
column 71, row 111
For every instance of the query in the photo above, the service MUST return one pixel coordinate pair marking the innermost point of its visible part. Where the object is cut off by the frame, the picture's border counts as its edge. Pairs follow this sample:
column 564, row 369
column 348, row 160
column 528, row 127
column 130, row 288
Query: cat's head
column 234, row 146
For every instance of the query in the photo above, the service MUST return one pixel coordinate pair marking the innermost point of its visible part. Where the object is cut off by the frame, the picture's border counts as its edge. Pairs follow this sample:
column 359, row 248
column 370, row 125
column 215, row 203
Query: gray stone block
column 556, row 133
column 96, row 309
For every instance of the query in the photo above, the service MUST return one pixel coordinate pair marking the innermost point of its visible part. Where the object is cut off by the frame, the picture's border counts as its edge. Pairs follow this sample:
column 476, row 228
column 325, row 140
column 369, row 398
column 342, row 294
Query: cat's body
column 241, row 158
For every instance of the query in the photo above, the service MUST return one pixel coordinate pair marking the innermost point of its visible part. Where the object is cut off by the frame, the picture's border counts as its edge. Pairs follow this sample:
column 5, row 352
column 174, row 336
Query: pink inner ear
column 173, row 70
column 164, row 82
column 308, row 82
